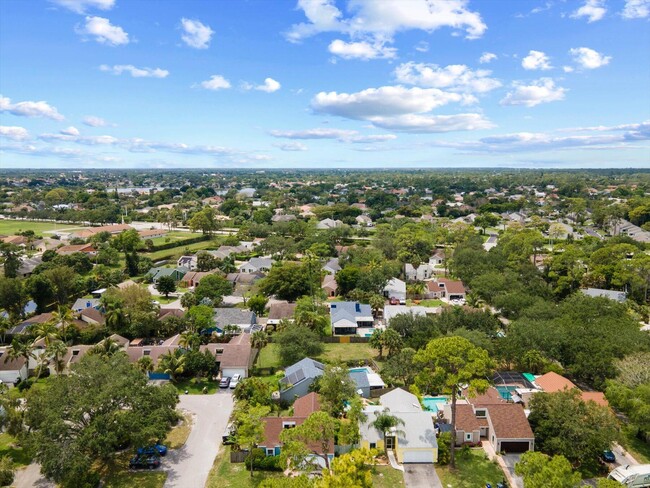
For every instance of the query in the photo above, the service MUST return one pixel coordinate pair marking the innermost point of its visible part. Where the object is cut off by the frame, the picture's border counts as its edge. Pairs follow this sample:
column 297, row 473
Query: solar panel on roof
column 300, row 375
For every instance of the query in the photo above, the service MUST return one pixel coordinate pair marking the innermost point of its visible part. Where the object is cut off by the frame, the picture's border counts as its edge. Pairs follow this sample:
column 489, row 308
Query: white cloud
column 536, row 60
column 30, row 109
column 422, row 47
column 361, row 50
column 78, row 139
column 14, row 132
column 540, row 91
column 415, row 123
column 94, row 121
column 103, row 31
column 487, row 57
column 291, row 146
column 196, row 34
column 118, row 69
column 636, row 9
column 269, row 86
column 70, row 131
column 80, row 6
column 588, row 58
column 342, row 135
column 216, row 82
column 378, row 21
column 593, row 10
column 455, row 77
column 567, row 69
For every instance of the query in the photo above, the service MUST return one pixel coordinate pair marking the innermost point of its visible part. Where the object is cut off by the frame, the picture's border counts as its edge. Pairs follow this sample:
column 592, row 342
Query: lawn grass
column 428, row 303
column 117, row 474
column 10, row 227
column 195, row 387
column 174, row 236
column 635, row 446
column 225, row 474
column 268, row 356
column 164, row 301
column 387, row 477
column 471, row 471
column 180, row 250
column 177, row 437
column 8, row 447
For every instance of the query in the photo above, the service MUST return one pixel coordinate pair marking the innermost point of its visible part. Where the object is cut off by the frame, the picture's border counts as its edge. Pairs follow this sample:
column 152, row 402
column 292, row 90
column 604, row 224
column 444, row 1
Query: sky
column 324, row 83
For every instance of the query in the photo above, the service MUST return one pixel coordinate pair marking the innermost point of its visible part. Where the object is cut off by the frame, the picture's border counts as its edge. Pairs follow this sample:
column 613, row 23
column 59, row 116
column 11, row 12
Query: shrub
column 262, row 462
column 6, row 471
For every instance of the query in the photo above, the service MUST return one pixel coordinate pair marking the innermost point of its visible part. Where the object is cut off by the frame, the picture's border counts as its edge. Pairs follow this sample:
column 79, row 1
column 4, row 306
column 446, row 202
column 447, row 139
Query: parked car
column 236, row 378
column 228, row 435
column 155, row 450
column 225, row 382
column 608, row 456
column 144, row 462
column 394, row 301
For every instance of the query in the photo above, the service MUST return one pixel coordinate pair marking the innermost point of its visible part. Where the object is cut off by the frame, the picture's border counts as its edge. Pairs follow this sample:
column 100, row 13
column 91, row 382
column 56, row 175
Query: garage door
column 512, row 446
column 232, row 371
column 418, row 457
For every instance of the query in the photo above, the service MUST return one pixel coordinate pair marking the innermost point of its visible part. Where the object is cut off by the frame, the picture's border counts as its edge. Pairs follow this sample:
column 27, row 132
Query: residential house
column 15, row 240
column 413, row 441
column 298, row 377
column 446, row 289
column 165, row 313
column 12, row 370
column 273, row 426
column 552, row 382
column 351, row 318
column 283, row 218
column 87, row 249
column 366, row 380
column 625, row 228
column 242, row 282
column 91, row 231
column 256, row 265
column 423, row 272
column 193, row 278
column 84, row 303
column 279, row 311
column 617, row 296
column 395, row 289
column 28, row 265
column 189, row 262
column 36, row 319
column 329, row 285
column 364, row 221
column 391, row 311
column 92, row 316
column 244, row 319
column 328, row 224
column 154, row 274
column 332, row 266
column 152, row 233
column 437, row 258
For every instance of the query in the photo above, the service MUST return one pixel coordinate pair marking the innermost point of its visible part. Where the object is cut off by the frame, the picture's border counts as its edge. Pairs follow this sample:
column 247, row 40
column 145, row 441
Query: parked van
column 632, row 476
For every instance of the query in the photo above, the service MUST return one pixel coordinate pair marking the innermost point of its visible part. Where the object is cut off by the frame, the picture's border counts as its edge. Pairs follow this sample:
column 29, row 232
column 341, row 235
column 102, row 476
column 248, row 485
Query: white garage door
column 232, row 372
column 418, row 457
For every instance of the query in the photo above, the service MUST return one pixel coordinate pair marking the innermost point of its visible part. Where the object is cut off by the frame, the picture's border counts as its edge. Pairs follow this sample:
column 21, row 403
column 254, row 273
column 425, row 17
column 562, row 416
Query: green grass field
column 8, row 447
column 635, row 446
column 387, row 477
column 225, row 474
column 177, row 252
column 195, row 387
column 174, row 236
column 118, row 475
column 471, row 471
column 10, row 227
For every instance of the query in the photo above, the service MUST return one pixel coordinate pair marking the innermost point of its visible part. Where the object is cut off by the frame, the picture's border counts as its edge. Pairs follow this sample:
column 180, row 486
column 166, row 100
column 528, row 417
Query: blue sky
column 324, row 83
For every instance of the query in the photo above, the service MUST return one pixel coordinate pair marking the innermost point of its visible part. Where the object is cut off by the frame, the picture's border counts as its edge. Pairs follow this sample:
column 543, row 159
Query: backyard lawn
column 471, row 471
column 195, row 387
column 174, row 236
column 225, row 474
column 387, row 477
column 17, row 454
column 180, row 250
column 635, row 446
column 268, row 357
column 9, row 227
column 426, row 303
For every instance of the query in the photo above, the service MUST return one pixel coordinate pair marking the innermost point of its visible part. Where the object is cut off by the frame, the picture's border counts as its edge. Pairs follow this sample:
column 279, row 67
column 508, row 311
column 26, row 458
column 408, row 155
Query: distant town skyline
column 324, row 84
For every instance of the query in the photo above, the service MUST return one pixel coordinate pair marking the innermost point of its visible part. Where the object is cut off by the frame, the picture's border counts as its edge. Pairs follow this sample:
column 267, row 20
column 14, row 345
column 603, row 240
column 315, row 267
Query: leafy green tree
column 606, row 483
column 13, row 297
column 188, row 300
column 376, row 341
column 392, row 341
column 254, row 391
column 541, row 471
column 40, row 289
column 7, row 471
column 257, row 304
column 68, row 421
column 347, row 279
column 312, row 314
column 486, row 220
column 206, row 261
column 400, row 367
column 295, row 482
column 351, row 470
column 335, row 388
column 250, row 429
column 145, row 364
column 129, row 242
column 204, row 220
column 166, row 285
column 107, row 348
column 65, row 283
column 295, row 343
column 318, row 430
column 172, row 363
column 213, row 287
column 201, row 317
column 449, row 363
column 415, row 330
column 190, row 340
column 10, row 259
column 289, row 281
column 566, row 425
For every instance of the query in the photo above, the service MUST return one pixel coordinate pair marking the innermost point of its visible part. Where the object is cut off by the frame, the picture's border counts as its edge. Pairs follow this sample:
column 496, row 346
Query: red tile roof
column 552, row 382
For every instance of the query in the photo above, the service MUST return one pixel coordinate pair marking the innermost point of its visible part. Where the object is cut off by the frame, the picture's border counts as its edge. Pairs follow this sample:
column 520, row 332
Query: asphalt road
column 188, row 467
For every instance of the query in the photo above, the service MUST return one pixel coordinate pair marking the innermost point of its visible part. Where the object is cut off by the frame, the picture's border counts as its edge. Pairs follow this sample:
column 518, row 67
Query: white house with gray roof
column 618, row 296
column 256, row 265
column 298, row 377
column 351, row 318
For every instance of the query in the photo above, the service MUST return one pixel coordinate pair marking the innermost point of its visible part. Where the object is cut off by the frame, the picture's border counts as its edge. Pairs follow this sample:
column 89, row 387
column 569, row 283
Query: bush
column 6, row 471
column 262, row 462
column 444, row 448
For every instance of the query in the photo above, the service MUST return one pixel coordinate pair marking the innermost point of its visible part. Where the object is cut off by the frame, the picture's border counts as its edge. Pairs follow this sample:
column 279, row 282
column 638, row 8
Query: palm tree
column 57, row 351
column 189, row 340
column 392, row 341
column 116, row 318
column 259, row 339
column 172, row 363
column 416, row 289
column 20, row 349
column 475, row 301
column 47, row 331
column 145, row 364
column 106, row 348
column 63, row 316
column 385, row 422
column 377, row 303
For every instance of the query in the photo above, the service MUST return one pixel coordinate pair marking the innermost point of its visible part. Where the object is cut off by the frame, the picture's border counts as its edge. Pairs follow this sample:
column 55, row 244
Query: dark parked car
column 155, row 450
column 144, row 462
column 608, row 456
column 225, row 382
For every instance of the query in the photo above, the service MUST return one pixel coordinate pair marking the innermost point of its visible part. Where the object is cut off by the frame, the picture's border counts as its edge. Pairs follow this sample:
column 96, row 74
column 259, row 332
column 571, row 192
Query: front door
column 390, row 442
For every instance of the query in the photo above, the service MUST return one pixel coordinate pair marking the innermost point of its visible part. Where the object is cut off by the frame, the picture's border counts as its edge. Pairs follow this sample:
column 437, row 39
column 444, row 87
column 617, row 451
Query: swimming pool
column 434, row 404
column 359, row 370
column 506, row 391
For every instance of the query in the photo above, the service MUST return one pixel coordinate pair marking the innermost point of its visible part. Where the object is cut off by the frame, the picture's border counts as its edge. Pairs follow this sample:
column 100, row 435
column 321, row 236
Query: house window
column 288, row 425
column 219, row 351
column 270, row 451
column 481, row 414
column 468, row 437
column 75, row 353
column 373, row 445
column 147, row 352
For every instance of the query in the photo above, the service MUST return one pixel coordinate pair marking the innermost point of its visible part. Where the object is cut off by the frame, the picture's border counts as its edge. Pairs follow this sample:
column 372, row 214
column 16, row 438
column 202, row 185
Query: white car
column 235, row 380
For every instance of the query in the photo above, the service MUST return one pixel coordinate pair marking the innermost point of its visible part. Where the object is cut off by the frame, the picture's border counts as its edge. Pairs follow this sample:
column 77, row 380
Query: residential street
column 421, row 476
column 188, row 467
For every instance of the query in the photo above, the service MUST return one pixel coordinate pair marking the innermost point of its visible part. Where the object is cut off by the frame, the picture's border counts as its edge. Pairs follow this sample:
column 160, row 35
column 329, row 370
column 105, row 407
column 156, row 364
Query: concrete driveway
column 421, row 476
column 188, row 467
column 510, row 460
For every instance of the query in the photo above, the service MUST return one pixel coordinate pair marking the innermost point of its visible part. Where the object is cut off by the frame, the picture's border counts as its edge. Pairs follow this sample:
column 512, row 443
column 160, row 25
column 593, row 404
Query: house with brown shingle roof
column 552, row 383
column 87, row 249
